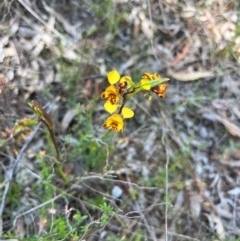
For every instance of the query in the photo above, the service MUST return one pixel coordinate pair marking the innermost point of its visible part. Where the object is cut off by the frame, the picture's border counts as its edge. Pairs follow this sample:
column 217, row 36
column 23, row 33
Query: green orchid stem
column 59, row 167
column 127, row 96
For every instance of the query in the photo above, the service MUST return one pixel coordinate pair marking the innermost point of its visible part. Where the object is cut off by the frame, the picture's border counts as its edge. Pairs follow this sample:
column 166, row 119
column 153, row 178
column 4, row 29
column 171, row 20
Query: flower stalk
column 45, row 118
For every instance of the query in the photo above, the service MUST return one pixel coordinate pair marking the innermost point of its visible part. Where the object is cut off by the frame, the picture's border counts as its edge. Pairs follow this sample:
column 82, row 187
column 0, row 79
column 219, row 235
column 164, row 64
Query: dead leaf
column 182, row 55
column 236, row 111
column 2, row 53
column 88, row 88
column 42, row 224
column 14, row 25
column 235, row 191
column 147, row 26
column 4, row 40
column 216, row 225
column 71, row 55
column 10, row 74
column 2, row 81
column 189, row 76
column 26, row 32
column 10, row 52
column 230, row 163
column 195, row 204
column 19, row 228
column 68, row 117
column 189, row 12
column 233, row 129
column 38, row 49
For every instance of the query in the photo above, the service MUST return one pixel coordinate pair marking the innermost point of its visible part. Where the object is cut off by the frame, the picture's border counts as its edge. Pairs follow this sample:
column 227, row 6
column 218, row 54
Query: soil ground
column 173, row 174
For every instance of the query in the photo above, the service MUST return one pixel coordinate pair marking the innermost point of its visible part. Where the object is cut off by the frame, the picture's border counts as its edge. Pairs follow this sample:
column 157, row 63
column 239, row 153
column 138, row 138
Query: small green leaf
column 23, row 125
column 153, row 83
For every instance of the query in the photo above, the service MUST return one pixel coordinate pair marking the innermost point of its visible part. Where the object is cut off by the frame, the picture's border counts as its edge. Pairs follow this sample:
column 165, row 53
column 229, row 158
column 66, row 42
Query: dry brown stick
column 202, row 192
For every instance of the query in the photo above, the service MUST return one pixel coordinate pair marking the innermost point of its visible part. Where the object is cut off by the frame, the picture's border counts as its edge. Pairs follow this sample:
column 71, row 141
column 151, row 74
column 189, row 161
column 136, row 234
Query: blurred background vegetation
column 174, row 172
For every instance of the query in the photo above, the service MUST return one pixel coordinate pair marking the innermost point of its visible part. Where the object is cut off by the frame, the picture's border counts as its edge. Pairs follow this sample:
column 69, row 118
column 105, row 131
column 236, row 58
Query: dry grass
column 176, row 164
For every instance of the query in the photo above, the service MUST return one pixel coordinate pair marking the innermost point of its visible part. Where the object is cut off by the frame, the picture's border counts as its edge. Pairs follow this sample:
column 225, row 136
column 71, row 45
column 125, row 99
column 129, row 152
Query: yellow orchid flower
column 127, row 112
column 109, row 107
column 113, row 77
column 122, row 89
column 112, row 94
column 156, row 76
column 160, row 89
column 145, row 78
column 114, row 122
column 148, row 77
column 125, row 82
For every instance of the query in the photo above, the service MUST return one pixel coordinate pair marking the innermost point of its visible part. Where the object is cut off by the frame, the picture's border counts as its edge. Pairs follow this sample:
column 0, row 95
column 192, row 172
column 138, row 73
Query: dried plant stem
column 59, row 166
column 166, row 193
column 178, row 141
column 123, row 225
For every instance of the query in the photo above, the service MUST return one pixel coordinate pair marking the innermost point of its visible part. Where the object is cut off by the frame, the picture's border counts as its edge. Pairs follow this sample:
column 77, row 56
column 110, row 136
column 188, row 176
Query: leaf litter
column 191, row 44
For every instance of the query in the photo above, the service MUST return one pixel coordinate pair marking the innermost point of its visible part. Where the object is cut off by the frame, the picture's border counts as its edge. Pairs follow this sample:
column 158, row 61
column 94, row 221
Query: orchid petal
column 113, row 77
column 127, row 112
column 109, row 107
